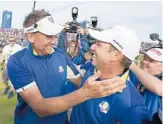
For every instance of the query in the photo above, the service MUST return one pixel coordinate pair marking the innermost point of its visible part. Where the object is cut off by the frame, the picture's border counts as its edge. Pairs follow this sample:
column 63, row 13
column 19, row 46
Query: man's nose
column 145, row 62
column 93, row 47
column 53, row 40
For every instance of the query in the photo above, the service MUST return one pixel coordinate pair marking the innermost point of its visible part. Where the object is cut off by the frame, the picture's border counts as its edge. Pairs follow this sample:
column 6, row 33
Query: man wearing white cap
column 39, row 75
column 152, row 63
column 114, row 50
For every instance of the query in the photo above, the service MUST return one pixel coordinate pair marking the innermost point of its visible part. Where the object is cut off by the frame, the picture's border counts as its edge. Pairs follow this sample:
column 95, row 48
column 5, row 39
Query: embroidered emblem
column 61, row 69
column 104, row 107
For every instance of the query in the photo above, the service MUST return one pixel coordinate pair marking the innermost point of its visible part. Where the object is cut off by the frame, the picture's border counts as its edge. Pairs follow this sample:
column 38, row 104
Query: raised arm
column 149, row 81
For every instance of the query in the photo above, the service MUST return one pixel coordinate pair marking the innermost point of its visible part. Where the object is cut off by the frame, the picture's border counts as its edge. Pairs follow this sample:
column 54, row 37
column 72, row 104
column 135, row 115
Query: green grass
column 7, row 106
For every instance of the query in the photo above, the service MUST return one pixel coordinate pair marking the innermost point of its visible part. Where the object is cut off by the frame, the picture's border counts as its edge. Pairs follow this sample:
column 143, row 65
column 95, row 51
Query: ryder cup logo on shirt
column 104, row 107
column 61, row 69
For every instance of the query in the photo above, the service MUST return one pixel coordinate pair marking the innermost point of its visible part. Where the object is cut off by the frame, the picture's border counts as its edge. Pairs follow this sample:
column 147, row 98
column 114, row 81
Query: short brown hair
column 34, row 17
column 126, row 62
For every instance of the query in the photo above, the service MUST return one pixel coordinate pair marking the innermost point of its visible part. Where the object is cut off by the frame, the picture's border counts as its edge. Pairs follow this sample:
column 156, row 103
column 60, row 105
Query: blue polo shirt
column 123, row 108
column 48, row 72
column 153, row 101
column 133, row 78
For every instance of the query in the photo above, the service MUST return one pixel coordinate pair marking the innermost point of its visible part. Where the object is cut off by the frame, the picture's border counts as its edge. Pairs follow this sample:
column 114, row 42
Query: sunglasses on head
column 11, row 41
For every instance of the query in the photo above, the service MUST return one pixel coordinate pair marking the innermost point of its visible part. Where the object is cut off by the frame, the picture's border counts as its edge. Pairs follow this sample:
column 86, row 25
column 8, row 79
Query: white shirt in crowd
column 9, row 50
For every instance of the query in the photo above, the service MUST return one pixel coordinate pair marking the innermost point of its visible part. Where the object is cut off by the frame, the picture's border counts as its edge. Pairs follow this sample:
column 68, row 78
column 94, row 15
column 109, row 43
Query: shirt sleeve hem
column 25, row 87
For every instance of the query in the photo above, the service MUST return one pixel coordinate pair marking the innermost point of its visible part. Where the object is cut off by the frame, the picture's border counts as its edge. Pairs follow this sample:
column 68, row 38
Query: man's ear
column 30, row 37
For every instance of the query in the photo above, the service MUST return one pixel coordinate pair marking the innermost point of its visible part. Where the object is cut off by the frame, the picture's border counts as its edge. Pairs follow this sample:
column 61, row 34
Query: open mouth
column 93, row 55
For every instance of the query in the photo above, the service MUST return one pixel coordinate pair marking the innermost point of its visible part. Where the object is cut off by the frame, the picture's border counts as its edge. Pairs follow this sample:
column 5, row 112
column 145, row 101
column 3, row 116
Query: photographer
column 73, row 40
column 75, row 48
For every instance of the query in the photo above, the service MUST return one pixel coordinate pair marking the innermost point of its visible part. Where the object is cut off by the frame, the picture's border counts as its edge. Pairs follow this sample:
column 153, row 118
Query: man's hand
column 97, row 89
column 133, row 65
column 82, row 31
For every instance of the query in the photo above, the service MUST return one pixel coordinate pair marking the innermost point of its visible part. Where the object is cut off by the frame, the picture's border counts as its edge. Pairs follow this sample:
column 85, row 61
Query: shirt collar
column 123, row 76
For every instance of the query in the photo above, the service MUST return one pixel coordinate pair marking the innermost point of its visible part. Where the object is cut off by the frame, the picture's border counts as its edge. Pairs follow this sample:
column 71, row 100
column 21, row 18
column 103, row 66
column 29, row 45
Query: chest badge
column 104, row 107
column 61, row 69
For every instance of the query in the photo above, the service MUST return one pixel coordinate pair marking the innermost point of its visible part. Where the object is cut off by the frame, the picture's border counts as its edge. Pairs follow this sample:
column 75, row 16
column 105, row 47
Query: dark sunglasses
column 11, row 41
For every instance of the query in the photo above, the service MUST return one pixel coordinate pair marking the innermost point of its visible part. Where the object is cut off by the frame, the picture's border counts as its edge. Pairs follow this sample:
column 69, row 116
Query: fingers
column 103, row 88
column 103, row 92
column 111, row 81
column 67, row 26
column 86, row 31
column 115, row 85
column 80, row 30
column 118, row 89
column 114, row 90
column 94, row 77
column 111, row 86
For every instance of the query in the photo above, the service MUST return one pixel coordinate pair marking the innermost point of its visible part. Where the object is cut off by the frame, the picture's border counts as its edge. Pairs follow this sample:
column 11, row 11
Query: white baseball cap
column 45, row 26
column 122, row 38
column 155, row 54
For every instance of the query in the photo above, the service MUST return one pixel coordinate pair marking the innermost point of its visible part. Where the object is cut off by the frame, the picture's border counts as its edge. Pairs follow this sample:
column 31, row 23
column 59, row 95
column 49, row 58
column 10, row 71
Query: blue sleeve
column 19, row 75
column 79, row 59
column 133, row 78
column 62, row 41
column 86, row 66
column 152, row 101
column 136, row 115
column 71, row 65
column 84, row 43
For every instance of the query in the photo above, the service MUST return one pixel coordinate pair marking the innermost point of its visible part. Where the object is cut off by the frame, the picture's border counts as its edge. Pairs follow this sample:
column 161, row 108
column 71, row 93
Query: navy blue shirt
column 133, row 79
column 124, row 108
column 48, row 72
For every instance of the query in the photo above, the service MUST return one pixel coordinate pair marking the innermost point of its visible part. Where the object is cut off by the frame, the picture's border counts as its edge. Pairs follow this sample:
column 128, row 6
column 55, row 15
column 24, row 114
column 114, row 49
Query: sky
column 145, row 17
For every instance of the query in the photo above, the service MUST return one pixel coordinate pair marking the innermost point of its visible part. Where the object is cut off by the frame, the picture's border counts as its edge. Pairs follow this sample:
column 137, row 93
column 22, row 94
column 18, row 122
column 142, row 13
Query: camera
column 74, row 24
column 94, row 21
column 155, row 37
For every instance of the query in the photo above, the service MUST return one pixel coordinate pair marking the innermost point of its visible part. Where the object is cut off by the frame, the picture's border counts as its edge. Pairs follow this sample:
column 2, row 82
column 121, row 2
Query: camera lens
column 94, row 23
column 73, row 28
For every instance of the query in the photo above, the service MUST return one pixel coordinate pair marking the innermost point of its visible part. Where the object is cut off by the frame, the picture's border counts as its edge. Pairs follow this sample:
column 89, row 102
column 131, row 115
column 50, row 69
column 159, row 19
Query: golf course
column 7, row 106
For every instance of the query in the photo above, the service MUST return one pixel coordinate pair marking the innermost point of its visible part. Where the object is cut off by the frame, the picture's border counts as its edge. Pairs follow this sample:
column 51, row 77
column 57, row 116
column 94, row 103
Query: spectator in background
column 80, row 44
column 9, row 50
column 152, row 63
